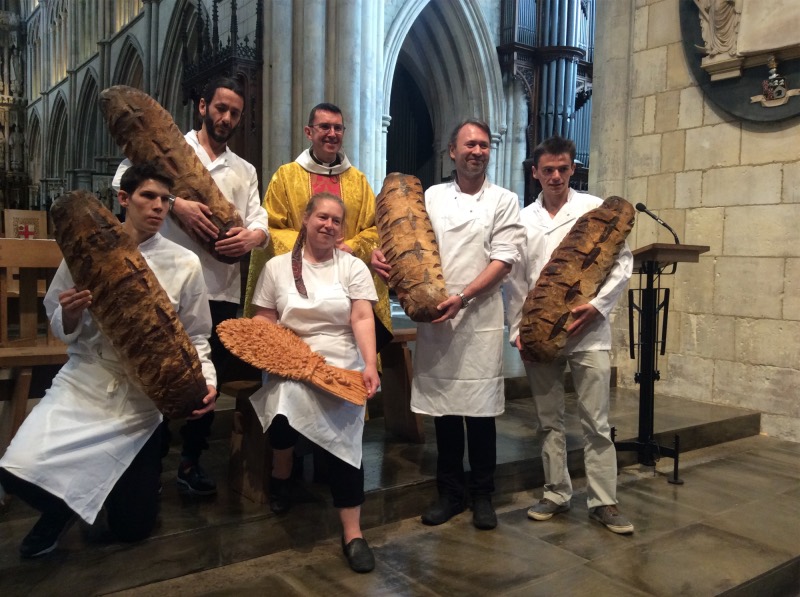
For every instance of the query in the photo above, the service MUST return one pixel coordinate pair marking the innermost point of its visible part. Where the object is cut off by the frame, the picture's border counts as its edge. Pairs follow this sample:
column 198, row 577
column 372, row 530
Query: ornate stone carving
column 739, row 34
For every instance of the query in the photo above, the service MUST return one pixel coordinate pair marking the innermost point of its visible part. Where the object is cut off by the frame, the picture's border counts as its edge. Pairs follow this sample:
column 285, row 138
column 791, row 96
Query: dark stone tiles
column 197, row 534
column 720, row 486
column 458, row 559
column 575, row 532
column 773, row 521
column 694, row 560
column 576, row 581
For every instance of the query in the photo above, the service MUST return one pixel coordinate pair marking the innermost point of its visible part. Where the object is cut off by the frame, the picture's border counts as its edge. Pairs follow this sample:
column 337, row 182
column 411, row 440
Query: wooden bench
column 396, row 388
column 26, row 340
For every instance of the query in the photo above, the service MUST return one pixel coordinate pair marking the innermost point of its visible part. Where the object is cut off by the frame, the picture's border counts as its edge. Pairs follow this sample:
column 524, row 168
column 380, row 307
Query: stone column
column 313, row 57
column 277, row 87
column 347, row 37
column 610, row 99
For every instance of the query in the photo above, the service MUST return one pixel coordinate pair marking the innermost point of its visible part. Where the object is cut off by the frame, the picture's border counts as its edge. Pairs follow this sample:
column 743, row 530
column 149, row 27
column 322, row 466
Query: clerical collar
column 335, row 162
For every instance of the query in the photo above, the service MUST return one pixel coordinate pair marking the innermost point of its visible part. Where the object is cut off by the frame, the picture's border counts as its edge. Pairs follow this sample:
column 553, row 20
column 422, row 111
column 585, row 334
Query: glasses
column 326, row 127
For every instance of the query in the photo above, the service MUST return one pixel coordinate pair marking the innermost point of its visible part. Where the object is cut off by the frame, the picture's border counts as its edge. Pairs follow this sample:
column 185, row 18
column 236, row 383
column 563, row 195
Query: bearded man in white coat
column 221, row 109
column 458, row 376
column 547, row 221
column 94, row 439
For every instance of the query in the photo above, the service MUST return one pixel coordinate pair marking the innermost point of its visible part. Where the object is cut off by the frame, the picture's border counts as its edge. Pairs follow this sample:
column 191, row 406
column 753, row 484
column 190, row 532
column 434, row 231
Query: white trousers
column 591, row 373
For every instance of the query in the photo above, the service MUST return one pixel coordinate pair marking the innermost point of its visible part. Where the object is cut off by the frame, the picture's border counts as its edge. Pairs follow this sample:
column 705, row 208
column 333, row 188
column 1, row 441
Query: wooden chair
column 25, row 337
column 25, row 224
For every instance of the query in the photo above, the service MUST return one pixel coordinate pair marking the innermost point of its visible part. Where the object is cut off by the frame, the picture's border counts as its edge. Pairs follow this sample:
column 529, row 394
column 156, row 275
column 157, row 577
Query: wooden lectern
column 649, row 261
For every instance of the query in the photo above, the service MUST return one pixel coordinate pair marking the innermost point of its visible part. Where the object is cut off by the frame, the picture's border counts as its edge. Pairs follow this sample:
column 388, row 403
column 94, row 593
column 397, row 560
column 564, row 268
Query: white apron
column 332, row 423
column 82, row 436
column 458, row 364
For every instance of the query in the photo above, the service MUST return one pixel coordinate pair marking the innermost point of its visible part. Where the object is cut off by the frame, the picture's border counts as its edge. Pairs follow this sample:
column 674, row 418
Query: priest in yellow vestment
column 321, row 167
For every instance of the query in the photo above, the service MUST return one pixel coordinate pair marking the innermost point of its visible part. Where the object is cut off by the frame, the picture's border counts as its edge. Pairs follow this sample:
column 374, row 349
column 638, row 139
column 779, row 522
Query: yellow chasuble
column 285, row 201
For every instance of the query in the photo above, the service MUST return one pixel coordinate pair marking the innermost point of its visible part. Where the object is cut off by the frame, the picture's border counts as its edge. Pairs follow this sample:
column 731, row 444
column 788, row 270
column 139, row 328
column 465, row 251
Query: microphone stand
column 643, row 208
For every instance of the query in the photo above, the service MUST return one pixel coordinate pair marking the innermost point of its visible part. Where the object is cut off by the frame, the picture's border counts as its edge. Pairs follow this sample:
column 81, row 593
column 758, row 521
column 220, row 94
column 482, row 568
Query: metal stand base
column 649, row 452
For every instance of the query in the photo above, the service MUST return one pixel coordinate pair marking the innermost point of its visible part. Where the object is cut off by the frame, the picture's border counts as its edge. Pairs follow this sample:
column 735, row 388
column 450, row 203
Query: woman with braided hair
column 325, row 296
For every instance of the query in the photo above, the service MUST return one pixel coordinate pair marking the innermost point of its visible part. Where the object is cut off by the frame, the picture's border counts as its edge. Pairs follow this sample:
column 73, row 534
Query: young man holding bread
column 221, row 110
column 94, row 441
column 547, row 221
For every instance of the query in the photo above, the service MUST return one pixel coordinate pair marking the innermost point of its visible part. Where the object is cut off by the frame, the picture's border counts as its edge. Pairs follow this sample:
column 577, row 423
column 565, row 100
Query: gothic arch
column 181, row 37
column 57, row 143
column 130, row 68
column 88, row 123
column 448, row 49
column 34, row 144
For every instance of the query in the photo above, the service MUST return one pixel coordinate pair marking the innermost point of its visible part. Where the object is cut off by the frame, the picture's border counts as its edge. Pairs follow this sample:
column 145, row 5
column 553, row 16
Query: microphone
column 643, row 208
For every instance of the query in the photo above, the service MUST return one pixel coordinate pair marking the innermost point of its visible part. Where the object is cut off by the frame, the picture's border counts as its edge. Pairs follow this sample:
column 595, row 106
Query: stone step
column 198, row 534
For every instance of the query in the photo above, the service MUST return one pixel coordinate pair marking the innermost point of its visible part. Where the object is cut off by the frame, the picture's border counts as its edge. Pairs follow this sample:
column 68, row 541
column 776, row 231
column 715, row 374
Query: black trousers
column 195, row 432
column 132, row 505
column 482, row 450
column 345, row 480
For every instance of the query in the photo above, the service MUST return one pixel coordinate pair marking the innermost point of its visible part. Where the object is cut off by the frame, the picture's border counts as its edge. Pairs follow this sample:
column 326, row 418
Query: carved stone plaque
column 745, row 54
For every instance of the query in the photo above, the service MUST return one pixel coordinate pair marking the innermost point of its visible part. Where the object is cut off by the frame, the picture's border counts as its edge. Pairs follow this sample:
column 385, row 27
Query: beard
column 212, row 131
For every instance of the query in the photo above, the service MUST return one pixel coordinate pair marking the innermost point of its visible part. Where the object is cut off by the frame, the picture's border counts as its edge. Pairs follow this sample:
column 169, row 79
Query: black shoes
column 483, row 515
column 43, row 537
column 193, row 480
column 359, row 555
column 280, row 495
column 443, row 510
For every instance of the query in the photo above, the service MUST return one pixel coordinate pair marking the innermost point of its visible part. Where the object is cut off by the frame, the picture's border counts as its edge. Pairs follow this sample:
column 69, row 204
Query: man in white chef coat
column 458, row 375
column 94, row 439
column 547, row 221
column 221, row 110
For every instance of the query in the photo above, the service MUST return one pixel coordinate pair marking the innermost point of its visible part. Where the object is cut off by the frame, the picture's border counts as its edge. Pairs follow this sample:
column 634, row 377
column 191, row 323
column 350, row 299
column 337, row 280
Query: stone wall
column 734, row 323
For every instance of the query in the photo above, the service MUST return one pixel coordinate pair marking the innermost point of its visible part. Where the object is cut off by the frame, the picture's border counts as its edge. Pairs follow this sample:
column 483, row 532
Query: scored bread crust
column 572, row 277
column 409, row 245
column 277, row 349
column 146, row 132
column 129, row 305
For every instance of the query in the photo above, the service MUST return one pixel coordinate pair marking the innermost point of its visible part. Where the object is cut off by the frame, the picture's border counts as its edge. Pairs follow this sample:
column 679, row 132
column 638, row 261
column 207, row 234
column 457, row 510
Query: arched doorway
column 409, row 142
column 441, row 64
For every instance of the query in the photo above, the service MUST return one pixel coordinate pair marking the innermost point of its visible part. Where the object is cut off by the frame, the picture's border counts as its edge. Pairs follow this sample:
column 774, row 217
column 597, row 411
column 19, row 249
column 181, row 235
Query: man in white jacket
column 547, row 221
column 221, row 110
column 458, row 361
column 94, row 440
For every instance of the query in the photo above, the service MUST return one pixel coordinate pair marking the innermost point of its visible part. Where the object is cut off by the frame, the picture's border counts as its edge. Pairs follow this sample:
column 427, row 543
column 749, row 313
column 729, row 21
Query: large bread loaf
column 409, row 245
column 128, row 304
column 146, row 132
column 572, row 277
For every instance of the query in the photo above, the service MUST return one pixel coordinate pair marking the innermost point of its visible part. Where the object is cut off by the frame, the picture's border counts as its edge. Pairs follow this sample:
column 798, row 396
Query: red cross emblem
column 26, row 231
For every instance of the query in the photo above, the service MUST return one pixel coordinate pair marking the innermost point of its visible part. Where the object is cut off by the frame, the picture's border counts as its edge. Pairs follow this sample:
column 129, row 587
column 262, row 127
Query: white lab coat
column 91, row 423
column 238, row 181
column 458, row 364
column 323, row 321
column 544, row 234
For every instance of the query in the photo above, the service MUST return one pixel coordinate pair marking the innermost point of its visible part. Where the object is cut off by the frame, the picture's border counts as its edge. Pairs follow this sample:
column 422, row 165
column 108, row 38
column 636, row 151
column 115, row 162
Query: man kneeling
column 94, row 438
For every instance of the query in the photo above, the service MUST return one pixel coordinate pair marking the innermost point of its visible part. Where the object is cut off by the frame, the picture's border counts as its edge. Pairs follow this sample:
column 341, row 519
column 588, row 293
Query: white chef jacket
column 238, row 182
column 543, row 235
column 322, row 320
column 458, row 364
column 87, row 429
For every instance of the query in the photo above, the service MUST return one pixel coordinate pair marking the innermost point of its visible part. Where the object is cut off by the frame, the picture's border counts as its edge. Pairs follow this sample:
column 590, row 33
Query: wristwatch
column 464, row 300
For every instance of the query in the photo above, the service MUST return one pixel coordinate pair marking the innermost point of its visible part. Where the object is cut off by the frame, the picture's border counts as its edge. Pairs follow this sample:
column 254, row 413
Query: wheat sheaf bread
column 128, row 304
column 277, row 349
column 409, row 245
column 572, row 277
column 146, row 132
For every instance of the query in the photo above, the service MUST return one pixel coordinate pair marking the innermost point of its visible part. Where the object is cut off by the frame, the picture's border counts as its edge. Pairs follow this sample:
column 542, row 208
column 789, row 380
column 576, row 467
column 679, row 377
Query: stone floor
column 716, row 534
column 706, row 537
